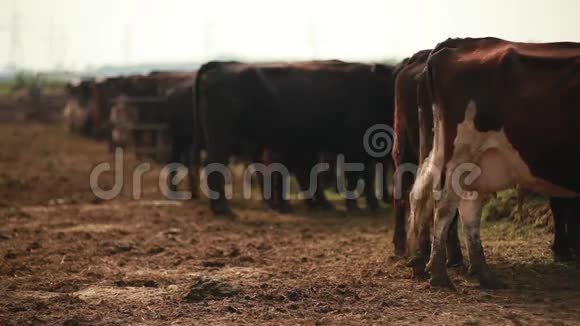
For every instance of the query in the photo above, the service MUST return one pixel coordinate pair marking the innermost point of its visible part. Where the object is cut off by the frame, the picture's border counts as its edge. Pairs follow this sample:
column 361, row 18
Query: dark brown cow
column 298, row 109
column 406, row 156
column 566, row 243
column 106, row 91
column 76, row 111
column 505, row 114
column 102, row 96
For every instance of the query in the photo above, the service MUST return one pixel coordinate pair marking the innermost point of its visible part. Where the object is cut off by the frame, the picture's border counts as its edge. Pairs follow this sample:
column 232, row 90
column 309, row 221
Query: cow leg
column 194, row 170
column 403, row 182
column 352, row 179
column 187, row 160
column 266, row 156
column 217, row 159
column 174, row 157
column 444, row 215
column 470, row 212
column 420, row 219
column 560, row 246
column 574, row 229
column 400, row 209
column 521, row 197
column 304, row 184
column 282, row 205
column 454, row 255
column 370, row 194
column 270, row 202
column 276, row 200
column 386, row 195
column 333, row 176
column 318, row 198
column 418, row 261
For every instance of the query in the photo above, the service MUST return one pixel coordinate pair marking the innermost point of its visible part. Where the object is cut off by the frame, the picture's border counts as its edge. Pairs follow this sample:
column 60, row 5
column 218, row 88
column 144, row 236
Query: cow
column 300, row 167
column 103, row 95
column 76, row 112
column 406, row 150
column 566, row 244
column 109, row 92
column 406, row 156
column 299, row 109
column 179, row 110
column 504, row 114
column 123, row 114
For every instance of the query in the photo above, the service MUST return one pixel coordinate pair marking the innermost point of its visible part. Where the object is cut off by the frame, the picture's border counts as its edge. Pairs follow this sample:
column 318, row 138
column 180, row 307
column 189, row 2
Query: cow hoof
column 224, row 211
column 400, row 252
column 323, row 205
column 354, row 210
column 227, row 214
column 373, row 207
column 374, row 211
column 420, row 274
column 455, row 262
column 173, row 195
column 490, row 281
column 487, row 279
column 285, row 209
column 416, row 260
column 441, row 281
column 563, row 256
column 326, row 205
column 418, row 266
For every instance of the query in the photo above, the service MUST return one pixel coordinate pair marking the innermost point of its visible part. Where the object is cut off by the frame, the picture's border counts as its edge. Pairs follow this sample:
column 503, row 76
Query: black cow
column 179, row 109
column 566, row 243
column 299, row 109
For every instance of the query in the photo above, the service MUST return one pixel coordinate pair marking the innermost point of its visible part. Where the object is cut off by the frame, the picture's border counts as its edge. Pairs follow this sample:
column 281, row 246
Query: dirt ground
column 69, row 258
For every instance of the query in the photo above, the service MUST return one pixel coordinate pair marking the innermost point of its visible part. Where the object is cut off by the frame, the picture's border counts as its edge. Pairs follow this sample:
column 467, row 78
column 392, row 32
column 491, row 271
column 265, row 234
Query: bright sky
column 81, row 33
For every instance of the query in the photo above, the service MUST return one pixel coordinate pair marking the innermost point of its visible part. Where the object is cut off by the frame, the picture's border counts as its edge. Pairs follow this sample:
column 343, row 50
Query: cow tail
column 429, row 75
column 196, row 133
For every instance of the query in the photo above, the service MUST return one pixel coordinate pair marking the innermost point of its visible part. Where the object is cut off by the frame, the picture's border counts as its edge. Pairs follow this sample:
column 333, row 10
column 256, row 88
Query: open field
column 66, row 257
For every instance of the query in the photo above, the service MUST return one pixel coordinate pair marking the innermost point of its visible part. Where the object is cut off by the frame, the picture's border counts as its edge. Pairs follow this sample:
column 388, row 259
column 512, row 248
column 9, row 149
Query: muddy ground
column 67, row 257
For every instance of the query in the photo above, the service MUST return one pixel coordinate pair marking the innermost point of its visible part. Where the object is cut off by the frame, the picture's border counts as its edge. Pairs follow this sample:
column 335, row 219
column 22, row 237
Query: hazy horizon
column 79, row 34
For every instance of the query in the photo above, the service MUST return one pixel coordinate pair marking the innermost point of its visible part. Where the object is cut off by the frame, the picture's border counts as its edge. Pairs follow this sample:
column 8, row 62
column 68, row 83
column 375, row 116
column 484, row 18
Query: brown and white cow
column 407, row 154
column 505, row 114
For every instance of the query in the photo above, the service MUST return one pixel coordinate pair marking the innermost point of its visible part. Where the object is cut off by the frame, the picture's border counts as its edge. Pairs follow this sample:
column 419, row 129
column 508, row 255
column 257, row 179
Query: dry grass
column 132, row 262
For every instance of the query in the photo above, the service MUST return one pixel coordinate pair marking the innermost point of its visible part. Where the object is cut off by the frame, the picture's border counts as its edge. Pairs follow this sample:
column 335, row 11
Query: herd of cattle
column 476, row 115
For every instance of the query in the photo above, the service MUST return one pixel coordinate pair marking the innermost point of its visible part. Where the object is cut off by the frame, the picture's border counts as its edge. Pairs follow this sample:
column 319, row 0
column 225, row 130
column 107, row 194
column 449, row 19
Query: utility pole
column 62, row 49
column 127, row 43
column 51, row 44
column 15, row 51
column 56, row 46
